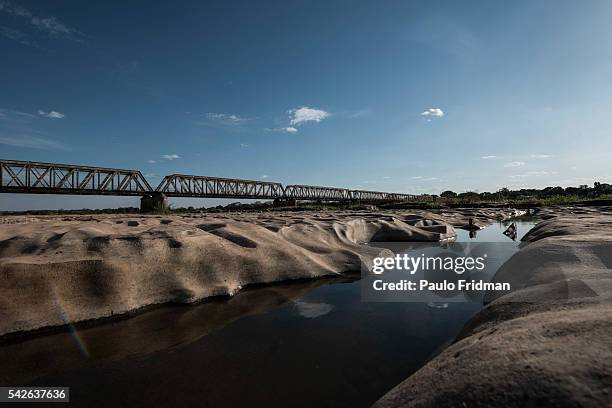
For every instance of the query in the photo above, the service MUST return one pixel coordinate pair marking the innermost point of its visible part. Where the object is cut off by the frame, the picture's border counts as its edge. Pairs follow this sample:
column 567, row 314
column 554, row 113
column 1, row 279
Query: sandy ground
column 60, row 269
column 549, row 341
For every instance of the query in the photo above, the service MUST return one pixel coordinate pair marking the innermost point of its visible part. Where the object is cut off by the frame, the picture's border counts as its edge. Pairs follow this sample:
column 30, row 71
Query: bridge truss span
column 300, row 192
column 50, row 178
column 179, row 185
column 380, row 196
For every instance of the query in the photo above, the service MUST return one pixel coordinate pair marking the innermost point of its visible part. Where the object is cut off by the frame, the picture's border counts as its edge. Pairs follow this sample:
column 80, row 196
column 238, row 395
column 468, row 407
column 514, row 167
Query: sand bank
column 59, row 269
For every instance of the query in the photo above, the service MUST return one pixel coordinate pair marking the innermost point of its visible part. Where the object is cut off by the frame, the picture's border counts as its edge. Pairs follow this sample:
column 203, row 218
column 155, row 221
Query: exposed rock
column 548, row 342
column 53, row 271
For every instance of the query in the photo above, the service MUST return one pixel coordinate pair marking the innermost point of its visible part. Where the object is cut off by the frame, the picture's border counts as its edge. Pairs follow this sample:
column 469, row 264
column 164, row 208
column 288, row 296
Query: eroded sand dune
column 60, row 269
column 549, row 341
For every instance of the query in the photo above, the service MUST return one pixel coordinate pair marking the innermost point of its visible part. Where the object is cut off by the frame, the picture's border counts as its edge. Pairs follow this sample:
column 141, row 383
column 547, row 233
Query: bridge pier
column 284, row 202
column 153, row 202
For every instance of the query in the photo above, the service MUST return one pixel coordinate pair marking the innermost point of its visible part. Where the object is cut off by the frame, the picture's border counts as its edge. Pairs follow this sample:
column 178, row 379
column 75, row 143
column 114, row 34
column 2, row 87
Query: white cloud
column 171, row 156
column 52, row 114
column 226, row 118
column 541, row 156
column 304, row 114
column 431, row 113
column 244, row 145
column 32, row 142
column 488, row 157
column 288, row 129
column 514, row 164
column 264, row 176
column 151, row 161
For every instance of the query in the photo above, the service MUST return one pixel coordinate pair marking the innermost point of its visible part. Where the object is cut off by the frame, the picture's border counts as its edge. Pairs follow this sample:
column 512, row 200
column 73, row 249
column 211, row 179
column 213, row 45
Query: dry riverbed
column 60, row 269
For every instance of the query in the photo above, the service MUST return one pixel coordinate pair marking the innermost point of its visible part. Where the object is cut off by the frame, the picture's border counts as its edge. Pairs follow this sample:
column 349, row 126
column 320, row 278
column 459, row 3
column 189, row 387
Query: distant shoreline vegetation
column 600, row 193
column 532, row 196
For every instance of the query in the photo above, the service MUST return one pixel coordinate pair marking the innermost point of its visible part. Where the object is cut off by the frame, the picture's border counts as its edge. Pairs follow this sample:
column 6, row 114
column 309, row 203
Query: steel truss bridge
column 51, row 178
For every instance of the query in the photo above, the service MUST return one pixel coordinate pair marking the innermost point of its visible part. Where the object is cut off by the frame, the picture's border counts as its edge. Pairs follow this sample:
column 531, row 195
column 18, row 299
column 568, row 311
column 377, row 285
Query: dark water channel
column 304, row 344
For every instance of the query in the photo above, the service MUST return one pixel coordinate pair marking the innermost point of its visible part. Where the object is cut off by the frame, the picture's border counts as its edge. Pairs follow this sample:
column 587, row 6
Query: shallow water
column 308, row 343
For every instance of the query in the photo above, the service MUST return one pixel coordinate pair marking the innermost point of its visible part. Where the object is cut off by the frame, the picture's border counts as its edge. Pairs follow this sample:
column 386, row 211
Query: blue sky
column 405, row 96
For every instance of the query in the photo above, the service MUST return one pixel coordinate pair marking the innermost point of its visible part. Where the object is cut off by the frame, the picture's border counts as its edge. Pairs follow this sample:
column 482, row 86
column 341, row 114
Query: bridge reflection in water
column 52, row 178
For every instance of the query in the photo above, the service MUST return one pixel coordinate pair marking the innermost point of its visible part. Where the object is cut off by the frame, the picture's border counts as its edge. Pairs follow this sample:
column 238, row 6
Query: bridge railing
column 180, row 185
column 51, row 178
column 380, row 196
column 302, row 192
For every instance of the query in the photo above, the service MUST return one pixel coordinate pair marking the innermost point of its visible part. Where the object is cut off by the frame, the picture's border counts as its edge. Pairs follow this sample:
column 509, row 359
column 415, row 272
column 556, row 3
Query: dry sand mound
column 55, row 270
column 548, row 342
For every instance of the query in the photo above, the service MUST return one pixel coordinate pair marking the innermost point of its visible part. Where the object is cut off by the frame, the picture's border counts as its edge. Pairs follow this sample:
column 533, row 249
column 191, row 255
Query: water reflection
column 155, row 330
column 313, row 310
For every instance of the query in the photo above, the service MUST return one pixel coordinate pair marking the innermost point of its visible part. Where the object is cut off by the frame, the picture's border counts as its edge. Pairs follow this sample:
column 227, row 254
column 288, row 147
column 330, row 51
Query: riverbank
column 548, row 340
column 56, row 270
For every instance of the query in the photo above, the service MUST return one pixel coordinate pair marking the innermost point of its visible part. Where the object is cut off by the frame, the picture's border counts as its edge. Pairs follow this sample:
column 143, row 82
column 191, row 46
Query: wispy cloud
column 423, row 178
column 225, row 117
column 215, row 119
column 540, row 156
column 264, row 176
column 18, row 128
column 432, row 113
column 288, row 129
column 244, row 145
column 302, row 115
column 18, row 36
column 515, row 164
column 359, row 114
column 151, row 161
column 170, row 156
column 32, row 142
column 14, row 114
column 533, row 174
column 52, row 114
column 488, row 157
column 49, row 25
